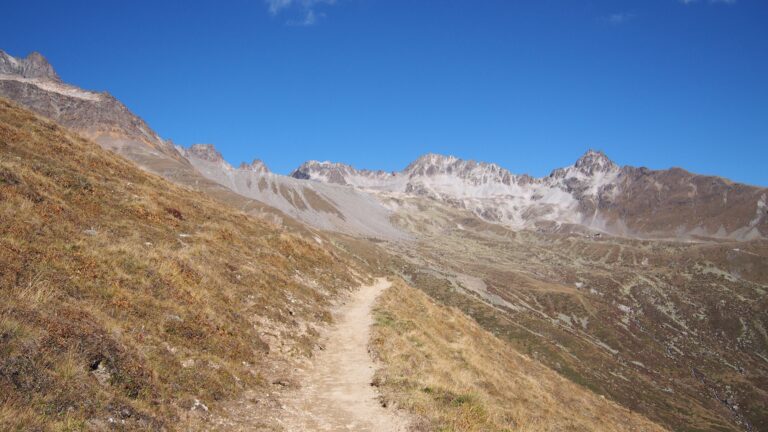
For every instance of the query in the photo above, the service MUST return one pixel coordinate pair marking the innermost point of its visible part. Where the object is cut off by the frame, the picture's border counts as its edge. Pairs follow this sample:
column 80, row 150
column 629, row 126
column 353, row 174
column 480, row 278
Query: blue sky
column 527, row 84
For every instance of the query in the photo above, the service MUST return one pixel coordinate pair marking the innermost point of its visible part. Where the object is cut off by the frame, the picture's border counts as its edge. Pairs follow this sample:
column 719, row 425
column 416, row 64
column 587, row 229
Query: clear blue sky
column 529, row 84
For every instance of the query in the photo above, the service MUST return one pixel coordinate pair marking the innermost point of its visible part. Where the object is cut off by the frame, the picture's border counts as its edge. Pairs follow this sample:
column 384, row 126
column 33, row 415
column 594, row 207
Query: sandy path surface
column 336, row 393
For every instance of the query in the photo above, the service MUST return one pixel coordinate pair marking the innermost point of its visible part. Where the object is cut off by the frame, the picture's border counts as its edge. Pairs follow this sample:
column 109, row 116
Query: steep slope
column 132, row 303
column 33, row 83
column 442, row 366
column 594, row 193
column 672, row 330
column 676, row 203
column 324, row 206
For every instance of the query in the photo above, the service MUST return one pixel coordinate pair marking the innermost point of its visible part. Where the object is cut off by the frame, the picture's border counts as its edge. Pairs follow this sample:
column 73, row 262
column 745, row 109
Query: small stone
column 281, row 382
column 101, row 373
column 199, row 406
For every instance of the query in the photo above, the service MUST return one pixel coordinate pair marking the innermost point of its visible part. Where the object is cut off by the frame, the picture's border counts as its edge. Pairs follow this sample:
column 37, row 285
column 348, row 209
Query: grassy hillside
column 455, row 376
column 130, row 301
column 672, row 330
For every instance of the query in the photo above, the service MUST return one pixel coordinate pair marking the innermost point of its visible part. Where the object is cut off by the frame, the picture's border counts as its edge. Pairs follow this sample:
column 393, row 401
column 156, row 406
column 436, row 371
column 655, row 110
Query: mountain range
column 645, row 287
column 594, row 193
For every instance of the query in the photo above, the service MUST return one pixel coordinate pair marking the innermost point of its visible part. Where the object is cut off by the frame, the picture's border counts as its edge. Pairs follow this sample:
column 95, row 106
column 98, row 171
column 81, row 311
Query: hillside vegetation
column 131, row 302
column 672, row 330
column 443, row 367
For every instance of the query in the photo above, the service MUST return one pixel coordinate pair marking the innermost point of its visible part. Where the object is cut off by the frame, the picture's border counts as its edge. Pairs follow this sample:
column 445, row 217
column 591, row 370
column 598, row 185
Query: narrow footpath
column 336, row 392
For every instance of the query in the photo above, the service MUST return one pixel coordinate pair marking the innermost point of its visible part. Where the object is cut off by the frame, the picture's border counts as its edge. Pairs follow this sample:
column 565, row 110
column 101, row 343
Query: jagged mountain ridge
column 32, row 67
column 593, row 192
column 104, row 120
column 325, row 206
column 33, row 82
column 208, row 152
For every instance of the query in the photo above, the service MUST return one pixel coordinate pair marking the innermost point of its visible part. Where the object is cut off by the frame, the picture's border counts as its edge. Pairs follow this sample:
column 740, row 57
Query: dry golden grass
column 125, row 298
column 455, row 376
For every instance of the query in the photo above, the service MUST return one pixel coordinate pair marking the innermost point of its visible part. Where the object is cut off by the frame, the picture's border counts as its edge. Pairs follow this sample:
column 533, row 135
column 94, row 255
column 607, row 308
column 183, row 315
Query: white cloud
column 276, row 5
column 619, row 18
column 310, row 18
column 305, row 8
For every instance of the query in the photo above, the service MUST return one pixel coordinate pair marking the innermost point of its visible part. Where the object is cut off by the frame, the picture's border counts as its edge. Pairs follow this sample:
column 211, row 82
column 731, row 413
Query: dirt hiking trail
column 336, row 393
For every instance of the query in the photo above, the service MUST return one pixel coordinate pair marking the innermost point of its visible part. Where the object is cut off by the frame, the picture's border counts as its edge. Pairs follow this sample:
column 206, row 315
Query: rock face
column 33, row 83
column 206, row 152
column 35, row 66
column 593, row 192
column 472, row 172
column 338, row 173
column 257, row 166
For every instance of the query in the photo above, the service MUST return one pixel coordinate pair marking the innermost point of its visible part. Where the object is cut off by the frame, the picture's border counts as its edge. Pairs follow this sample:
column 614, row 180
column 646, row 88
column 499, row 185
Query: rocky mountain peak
column 340, row 173
column 257, row 166
column 317, row 165
column 469, row 171
column 35, row 66
column 330, row 172
column 205, row 152
column 594, row 161
column 430, row 164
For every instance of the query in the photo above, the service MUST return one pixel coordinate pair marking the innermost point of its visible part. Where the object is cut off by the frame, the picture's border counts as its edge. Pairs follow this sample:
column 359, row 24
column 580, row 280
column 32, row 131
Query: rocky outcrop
column 35, row 66
column 206, row 152
column 338, row 173
column 257, row 166
column 33, row 83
